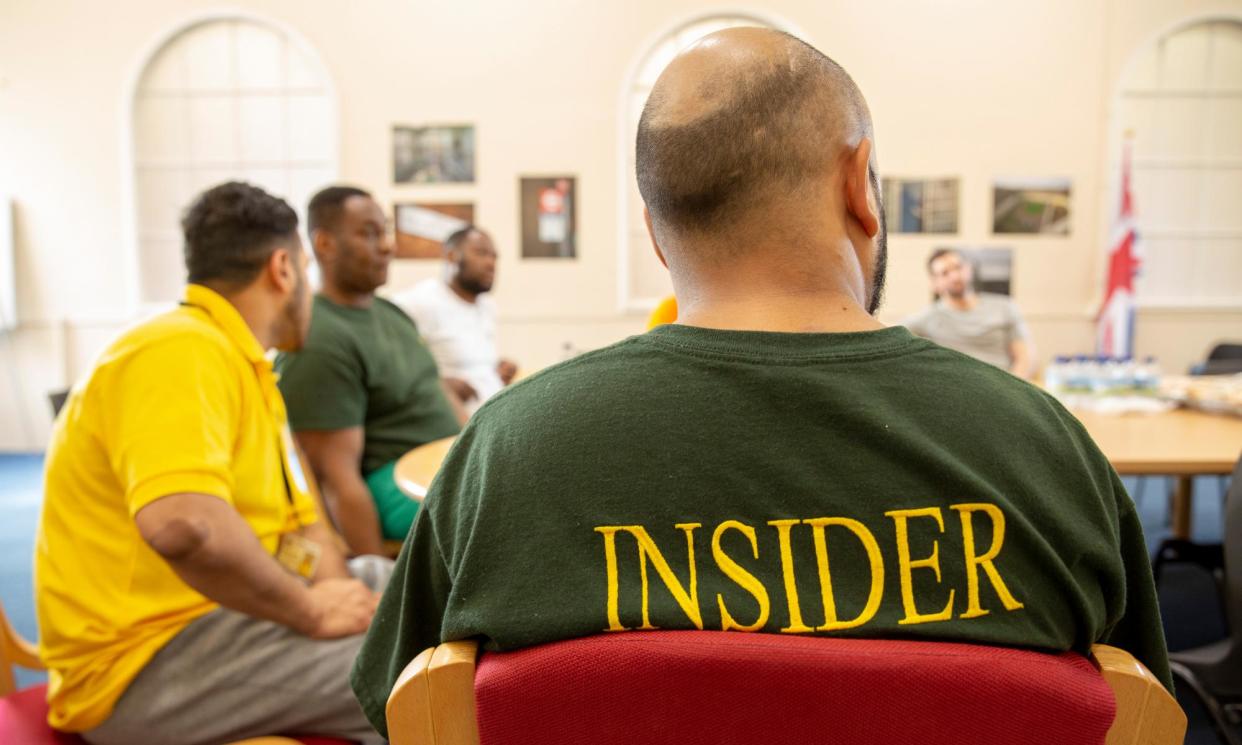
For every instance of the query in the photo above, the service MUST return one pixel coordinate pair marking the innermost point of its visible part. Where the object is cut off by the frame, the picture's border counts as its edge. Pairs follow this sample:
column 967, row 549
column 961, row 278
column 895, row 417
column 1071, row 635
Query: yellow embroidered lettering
column 745, row 579
column 796, row 626
column 648, row 552
column 610, row 566
column 906, row 566
column 973, row 562
column 819, row 526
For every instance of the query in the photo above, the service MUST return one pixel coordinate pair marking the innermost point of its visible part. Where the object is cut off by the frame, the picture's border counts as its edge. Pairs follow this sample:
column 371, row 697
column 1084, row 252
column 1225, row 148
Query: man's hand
column 339, row 607
column 507, row 369
column 461, row 389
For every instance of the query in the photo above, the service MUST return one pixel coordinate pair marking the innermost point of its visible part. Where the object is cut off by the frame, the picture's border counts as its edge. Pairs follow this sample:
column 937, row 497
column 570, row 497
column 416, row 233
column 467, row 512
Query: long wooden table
column 1179, row 443
column 416, row 468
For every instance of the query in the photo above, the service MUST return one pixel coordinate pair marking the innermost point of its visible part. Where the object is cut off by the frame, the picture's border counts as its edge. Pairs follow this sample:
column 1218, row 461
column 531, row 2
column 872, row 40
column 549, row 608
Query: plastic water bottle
column 1055, row 375
column 1076, row 374
column 1147, row 376
column 1102, row 376
column 1121, row 375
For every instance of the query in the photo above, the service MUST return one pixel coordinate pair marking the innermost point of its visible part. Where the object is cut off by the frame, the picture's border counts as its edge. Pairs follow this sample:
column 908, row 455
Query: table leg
column 1181, row 506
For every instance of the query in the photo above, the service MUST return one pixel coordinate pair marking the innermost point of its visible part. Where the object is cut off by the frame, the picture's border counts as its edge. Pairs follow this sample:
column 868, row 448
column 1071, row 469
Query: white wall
column 975, row 88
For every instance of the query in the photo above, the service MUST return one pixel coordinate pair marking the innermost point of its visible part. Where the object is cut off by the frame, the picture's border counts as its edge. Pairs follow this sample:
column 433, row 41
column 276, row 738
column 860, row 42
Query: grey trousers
column 228, row 676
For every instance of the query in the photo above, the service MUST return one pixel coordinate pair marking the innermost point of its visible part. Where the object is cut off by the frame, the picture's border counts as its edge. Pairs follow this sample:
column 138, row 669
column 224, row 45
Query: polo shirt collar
column 228, row 319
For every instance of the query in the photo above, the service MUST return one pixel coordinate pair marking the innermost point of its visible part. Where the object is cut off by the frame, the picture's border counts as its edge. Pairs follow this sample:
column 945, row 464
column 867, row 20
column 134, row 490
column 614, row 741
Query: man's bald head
column 739, row 120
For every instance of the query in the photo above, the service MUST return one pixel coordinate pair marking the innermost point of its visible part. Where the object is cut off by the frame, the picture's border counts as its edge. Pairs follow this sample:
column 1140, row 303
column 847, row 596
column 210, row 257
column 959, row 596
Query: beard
column 294, row 321
column 880, row 271
column 471, row 284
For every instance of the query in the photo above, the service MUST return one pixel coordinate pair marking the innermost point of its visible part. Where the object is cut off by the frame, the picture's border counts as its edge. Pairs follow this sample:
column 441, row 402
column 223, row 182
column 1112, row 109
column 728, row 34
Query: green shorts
column 396, row 510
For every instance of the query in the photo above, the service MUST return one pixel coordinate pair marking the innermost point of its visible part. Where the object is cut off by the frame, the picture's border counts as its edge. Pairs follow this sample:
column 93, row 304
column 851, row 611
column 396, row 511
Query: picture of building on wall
column 993, row 267
column 549, row 217
column 423, row 228
column 433, row 155
column 920, row 205
column 1033, row 206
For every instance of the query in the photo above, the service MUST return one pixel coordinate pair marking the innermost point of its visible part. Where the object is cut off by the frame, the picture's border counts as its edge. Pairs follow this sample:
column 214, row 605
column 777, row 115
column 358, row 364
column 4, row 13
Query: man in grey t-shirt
column 985, row 326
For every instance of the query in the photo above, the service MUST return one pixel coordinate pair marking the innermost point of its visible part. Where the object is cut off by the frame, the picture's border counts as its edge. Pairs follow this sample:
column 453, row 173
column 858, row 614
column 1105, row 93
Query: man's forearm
column 225, row 561
column 355, row 511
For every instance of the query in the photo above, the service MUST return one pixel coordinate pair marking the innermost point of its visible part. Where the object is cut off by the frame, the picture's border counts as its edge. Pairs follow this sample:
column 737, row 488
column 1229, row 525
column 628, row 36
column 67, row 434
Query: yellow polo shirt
column 186, row 402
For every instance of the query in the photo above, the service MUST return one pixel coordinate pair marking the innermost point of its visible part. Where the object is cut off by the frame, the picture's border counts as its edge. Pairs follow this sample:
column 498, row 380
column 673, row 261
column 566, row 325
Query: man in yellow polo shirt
column 186, row 592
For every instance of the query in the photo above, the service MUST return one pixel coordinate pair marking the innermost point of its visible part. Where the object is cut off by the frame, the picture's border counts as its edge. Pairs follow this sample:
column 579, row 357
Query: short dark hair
column 231, row 231
column 938, row 253
column 702, row 174
column 458, row 237
column 326, row 206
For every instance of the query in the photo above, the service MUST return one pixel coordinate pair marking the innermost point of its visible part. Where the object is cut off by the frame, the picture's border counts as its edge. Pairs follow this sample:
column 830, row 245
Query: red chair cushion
column 23, row 718
column 23, row 721
column 689, row 687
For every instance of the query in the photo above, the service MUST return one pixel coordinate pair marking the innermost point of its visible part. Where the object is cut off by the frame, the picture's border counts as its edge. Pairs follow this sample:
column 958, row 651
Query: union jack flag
column 1114, row 324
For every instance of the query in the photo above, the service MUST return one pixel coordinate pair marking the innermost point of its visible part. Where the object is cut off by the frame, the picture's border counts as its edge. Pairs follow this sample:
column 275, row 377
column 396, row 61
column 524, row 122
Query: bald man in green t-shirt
column 776, row 461
column 364, row 388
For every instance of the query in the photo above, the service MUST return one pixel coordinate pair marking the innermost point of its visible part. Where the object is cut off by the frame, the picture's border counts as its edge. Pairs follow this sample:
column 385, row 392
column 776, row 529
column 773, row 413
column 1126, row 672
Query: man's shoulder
column 176, row 332
column 996, row 301
column 997, row 396
column 595, row 375
column 428, row 292
column 330, row 326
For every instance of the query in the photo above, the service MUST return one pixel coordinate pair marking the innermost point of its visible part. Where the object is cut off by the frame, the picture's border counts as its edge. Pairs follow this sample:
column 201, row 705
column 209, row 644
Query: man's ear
column 859, row 200
column 323, row 245
column 651, row 232
column 282, row 269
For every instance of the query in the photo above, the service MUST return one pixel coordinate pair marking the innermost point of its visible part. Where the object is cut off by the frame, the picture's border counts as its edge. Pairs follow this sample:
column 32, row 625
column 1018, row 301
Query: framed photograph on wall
column 422, row 228
column 549, row 217
column 1031, row 206
column 433, row 155
column 921, row 205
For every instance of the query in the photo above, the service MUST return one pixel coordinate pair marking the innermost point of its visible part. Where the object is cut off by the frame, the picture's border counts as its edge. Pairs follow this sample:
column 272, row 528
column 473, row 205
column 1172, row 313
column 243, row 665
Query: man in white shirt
column 457, row 319
column 985, row 326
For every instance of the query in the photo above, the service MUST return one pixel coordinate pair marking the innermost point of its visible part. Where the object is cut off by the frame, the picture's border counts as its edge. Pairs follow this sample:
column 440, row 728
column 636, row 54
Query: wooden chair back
column 433, row 700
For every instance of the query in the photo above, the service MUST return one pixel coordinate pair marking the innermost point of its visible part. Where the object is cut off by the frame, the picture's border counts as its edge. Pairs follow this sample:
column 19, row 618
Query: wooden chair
column 585, row 690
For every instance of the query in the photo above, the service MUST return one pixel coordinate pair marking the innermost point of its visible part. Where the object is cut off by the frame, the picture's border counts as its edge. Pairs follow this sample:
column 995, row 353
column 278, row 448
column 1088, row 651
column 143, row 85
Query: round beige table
column 418, row 467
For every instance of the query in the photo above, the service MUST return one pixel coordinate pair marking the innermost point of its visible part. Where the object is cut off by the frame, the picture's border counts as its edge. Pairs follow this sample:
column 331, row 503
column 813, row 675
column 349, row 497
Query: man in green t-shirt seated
column 364, row 389
column 776, row 460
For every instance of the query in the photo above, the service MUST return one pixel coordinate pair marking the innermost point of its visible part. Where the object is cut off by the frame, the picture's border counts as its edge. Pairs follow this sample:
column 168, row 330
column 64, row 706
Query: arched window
column 1181, row 101
column 643, row 281
column 227, row 98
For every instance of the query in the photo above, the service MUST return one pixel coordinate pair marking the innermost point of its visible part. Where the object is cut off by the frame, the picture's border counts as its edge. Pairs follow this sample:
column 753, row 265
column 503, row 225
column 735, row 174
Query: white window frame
column 136, row 305
column 1112, row 182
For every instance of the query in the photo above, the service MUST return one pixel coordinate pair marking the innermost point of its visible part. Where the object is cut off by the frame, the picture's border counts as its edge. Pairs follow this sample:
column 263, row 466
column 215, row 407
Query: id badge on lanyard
column 296, row 552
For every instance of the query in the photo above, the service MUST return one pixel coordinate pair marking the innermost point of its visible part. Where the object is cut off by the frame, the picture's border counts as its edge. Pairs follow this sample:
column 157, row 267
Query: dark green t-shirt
column 864, row 485
column 366, row 367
